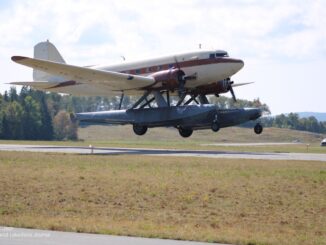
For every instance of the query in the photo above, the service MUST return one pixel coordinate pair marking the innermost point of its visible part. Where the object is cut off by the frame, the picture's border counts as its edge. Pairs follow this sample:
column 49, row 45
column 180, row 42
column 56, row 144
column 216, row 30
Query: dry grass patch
column 169, row 138
column 231, row 201
column 231, row 134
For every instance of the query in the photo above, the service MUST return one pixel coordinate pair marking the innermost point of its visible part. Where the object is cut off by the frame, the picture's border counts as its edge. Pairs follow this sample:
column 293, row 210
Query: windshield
column 218, row 54
column 221, row 54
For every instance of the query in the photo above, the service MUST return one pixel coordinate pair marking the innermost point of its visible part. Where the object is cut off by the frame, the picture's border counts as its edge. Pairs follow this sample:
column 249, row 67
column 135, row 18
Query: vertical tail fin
column 46, row 51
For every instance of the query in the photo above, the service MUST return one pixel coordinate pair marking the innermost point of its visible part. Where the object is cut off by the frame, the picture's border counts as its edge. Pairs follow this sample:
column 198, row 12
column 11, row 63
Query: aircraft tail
column 46, row 51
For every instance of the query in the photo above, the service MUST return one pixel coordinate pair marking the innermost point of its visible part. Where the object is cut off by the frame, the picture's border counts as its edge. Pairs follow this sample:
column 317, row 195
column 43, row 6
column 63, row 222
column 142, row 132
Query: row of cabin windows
column 149, row 69
column 160, row 67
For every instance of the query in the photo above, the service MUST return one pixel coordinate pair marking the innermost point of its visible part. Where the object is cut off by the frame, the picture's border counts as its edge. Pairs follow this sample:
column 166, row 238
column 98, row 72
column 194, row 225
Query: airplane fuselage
column 195, row 72
column 207, row 66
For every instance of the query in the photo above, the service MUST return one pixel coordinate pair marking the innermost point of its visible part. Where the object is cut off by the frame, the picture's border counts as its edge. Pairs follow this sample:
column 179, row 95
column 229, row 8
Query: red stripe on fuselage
column 188, row 63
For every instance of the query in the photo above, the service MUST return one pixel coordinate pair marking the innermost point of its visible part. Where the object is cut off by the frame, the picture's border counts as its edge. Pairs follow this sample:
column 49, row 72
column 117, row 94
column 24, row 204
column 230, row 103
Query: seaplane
column 189, row 76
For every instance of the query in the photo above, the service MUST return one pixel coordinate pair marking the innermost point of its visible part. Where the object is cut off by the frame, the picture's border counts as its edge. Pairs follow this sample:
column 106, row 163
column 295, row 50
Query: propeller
column 232, row 92
column 181, row 79
column 240, row 84
column 231, row 85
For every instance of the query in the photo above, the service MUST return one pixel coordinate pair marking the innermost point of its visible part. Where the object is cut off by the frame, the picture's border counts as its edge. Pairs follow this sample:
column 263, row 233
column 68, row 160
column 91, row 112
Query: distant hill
column 320, row 116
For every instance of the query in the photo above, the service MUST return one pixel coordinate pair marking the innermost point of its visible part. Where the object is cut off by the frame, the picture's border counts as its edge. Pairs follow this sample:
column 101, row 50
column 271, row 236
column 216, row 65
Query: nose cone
column 254, row 113
column 238, row 64
column 235, row 65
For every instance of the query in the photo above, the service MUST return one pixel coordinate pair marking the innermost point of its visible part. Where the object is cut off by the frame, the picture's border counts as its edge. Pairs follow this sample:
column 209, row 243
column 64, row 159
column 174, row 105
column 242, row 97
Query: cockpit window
column 221, row 54
column 218, row 54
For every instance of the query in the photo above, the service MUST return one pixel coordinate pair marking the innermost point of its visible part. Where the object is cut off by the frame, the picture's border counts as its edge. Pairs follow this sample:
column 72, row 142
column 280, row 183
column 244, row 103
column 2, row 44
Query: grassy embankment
column 123, row 136
column 231, row 201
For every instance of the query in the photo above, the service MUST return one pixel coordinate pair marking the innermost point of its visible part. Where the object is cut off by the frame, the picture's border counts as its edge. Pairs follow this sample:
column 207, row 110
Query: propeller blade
column 233, row 95
column 240, row 84
column 177, row 63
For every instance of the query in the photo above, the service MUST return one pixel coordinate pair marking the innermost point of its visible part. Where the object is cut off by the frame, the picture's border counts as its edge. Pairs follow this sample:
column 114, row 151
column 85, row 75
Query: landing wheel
column 139, row 130
column 215, row 127
column 258, row 128
column 185, row 132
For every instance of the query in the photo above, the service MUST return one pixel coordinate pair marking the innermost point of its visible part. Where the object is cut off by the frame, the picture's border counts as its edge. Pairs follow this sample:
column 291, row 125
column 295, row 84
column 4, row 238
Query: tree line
column 290, row 121
column 36, row 115
column 293, row 121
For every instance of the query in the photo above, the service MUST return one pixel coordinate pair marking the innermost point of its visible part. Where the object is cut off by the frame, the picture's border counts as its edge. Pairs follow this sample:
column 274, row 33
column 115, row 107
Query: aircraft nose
column 235, row 65
column 255, row 113
column 238, row 64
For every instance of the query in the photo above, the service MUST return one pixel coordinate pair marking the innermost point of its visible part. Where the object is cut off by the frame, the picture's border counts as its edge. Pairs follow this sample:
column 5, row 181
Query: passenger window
column 211, row 56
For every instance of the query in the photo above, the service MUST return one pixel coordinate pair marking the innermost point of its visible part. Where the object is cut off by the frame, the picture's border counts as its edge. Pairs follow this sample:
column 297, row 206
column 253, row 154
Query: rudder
column 46, row 51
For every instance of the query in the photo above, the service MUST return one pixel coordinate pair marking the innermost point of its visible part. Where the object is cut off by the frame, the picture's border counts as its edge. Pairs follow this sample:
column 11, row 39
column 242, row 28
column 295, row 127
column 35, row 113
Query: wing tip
column 17, row 58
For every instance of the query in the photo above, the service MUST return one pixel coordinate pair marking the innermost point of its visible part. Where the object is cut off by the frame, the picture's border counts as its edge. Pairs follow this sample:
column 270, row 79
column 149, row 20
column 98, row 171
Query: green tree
column 5, row 130
column 14, row 113
column 31, row 119
column 46, row 130
column 24, row 92
column 312, row 124
column 280, row 121
column 54, row 103
column 13, row 96
column 63, row 127
column 6, row 96
column 293, row 121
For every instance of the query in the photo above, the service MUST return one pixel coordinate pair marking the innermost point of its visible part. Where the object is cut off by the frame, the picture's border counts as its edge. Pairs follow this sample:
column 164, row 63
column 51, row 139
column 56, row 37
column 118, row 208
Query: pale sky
column 282, row 42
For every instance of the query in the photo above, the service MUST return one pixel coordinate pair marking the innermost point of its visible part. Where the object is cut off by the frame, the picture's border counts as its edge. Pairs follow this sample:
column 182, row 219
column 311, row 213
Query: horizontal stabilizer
column 42, row 85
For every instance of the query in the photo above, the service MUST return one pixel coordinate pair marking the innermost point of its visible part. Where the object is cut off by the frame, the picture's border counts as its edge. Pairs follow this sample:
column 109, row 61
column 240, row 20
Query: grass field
column 230, row 201
column 123, row 136
column 232, row 134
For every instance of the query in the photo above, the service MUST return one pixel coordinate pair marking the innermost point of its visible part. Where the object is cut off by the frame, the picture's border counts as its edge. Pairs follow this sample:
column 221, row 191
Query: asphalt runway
column 255, row 144
column 19, row 236
column 164, row 152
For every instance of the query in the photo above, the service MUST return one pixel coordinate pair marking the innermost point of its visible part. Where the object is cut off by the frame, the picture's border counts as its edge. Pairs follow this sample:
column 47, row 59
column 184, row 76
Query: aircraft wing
column 87, row 79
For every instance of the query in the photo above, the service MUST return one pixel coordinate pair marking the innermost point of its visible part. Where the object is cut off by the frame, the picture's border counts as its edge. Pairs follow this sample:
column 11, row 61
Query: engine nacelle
column 170, row 79
column 214, row 88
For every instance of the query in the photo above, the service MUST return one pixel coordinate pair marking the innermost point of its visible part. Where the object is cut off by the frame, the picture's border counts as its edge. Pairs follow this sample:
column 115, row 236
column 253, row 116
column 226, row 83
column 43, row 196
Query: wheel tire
column 215, row 127
column 258, row 128
column 139, row 130
column 184, row 132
